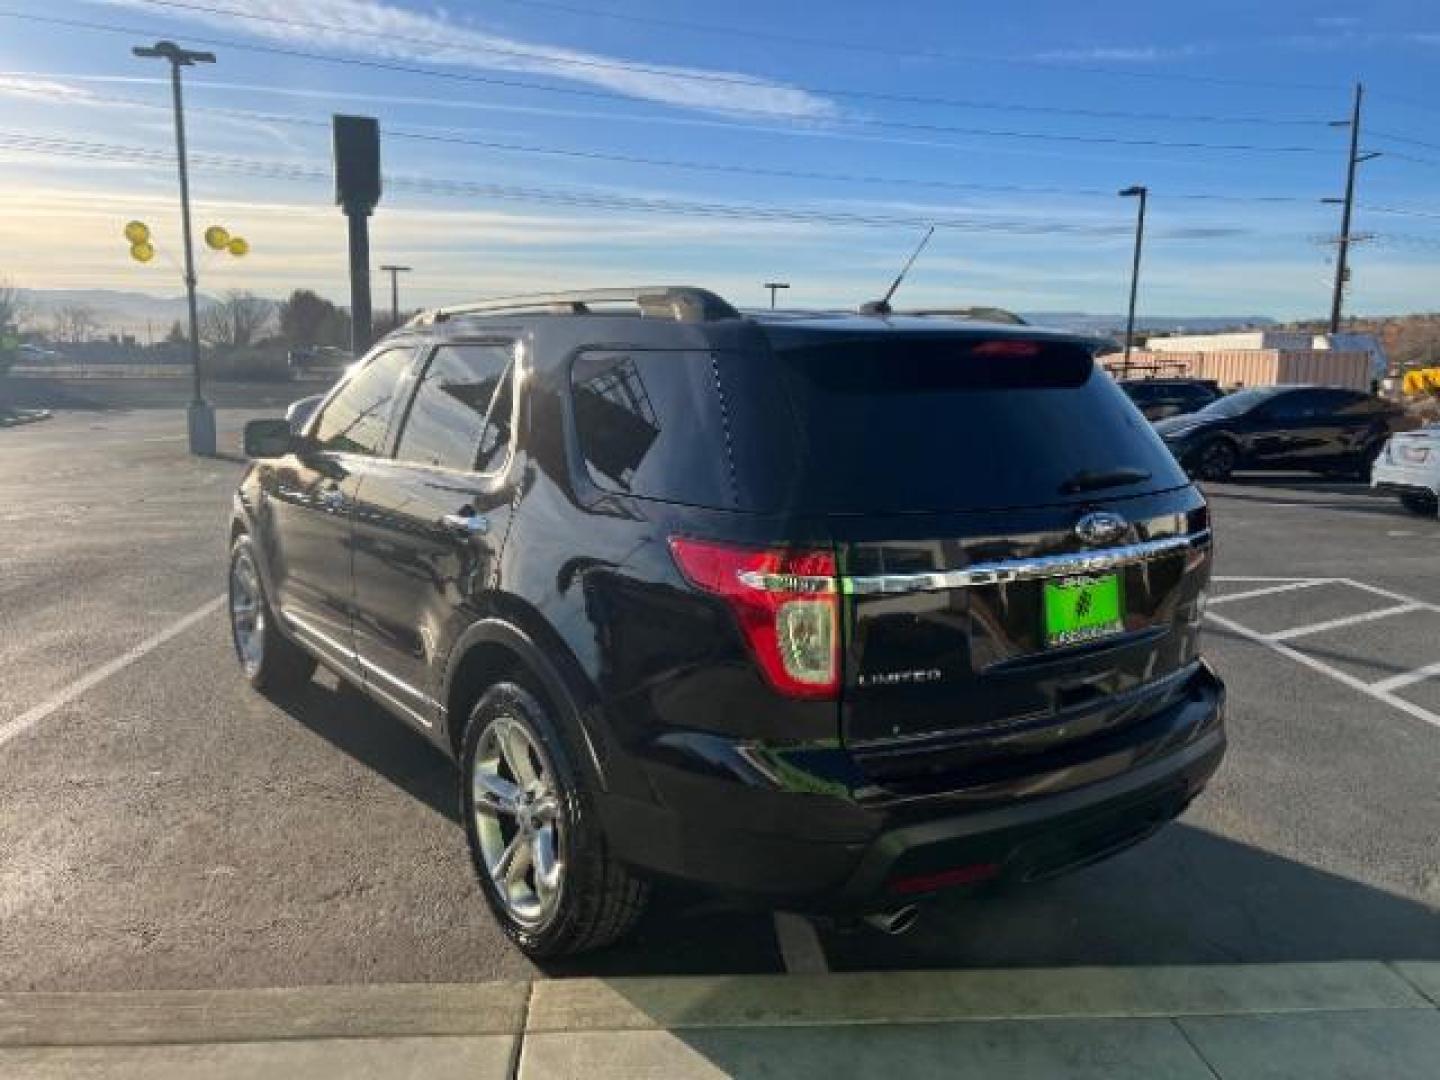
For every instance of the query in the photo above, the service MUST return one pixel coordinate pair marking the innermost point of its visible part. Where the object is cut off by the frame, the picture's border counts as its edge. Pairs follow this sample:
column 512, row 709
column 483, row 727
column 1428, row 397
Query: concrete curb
column 699, row 1002
column 1344, row 1019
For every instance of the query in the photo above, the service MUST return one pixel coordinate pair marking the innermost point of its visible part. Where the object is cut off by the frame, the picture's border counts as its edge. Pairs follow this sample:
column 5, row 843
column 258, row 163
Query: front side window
column 357, row 417
column 460, row 418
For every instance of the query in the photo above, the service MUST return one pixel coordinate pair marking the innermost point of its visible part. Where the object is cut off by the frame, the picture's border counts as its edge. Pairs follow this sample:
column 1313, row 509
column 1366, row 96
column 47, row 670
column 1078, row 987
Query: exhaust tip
column 900, row 921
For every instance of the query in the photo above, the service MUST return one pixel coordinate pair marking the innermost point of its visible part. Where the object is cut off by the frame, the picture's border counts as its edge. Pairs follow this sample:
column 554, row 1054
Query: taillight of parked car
column 787, row 603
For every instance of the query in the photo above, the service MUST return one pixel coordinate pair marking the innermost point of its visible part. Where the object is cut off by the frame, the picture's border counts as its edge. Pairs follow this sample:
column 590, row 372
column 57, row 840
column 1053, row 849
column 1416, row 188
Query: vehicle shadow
column 355, row 725
column 1186, row 896
column 686, row 931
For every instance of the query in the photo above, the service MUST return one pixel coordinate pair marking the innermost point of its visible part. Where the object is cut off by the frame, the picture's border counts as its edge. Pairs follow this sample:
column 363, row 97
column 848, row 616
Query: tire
column 1215, row 460
column 585, row 899
column 1416, row 503
column 270, row 662
column 1365, row 462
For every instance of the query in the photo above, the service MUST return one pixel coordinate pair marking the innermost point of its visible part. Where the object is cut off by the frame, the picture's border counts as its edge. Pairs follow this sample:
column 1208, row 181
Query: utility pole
column 1143, row 193
column 1342, row 257
column 774, row 287
column 200, row 417
column 394, row 272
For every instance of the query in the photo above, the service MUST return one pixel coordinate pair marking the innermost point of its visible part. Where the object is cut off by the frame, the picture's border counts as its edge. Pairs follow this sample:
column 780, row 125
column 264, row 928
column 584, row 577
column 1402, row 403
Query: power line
column 470, row 77
column 1404, row 139
column 548, row 56
column 90, row 150
column 461, row 139
column 1400, row 210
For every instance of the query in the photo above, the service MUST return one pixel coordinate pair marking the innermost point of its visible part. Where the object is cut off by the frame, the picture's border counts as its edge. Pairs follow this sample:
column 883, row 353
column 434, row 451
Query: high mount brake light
column 1006, row 349
column 788, row 606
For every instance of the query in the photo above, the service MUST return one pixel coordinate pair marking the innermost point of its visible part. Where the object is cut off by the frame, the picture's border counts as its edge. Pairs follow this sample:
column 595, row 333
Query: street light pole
column 1143, row 193
column 200, row 416
column 395, row 272
column 774, row 287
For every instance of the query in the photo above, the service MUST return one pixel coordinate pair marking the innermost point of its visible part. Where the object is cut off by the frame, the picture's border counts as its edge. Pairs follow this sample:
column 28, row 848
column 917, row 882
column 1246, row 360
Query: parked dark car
column 832, row 612
column 1321, row 429
column 1161, row 398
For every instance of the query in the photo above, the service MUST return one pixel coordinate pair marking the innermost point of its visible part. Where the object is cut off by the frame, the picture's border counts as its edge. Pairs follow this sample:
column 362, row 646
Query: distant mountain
column 114, row 311
column 1155, row 324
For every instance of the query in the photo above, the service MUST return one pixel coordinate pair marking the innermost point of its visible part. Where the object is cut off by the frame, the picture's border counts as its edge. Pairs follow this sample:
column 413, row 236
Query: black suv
column 828, row 611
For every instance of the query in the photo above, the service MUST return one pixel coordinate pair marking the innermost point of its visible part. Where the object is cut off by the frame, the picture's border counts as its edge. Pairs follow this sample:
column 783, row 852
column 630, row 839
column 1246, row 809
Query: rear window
column 912, row 424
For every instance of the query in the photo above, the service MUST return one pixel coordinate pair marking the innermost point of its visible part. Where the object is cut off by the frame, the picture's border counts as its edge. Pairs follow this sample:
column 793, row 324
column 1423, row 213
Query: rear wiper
column 1095, row 479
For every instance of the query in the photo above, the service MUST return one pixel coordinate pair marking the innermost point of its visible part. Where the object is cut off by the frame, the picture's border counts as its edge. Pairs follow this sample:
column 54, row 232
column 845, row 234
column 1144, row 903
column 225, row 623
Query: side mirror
column 268, row 438
column 301, row 411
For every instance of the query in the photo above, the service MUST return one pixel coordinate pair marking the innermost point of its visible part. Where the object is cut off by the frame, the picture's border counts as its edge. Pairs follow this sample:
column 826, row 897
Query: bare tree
column 12, row 306
column 74, row 324
column 236, row 320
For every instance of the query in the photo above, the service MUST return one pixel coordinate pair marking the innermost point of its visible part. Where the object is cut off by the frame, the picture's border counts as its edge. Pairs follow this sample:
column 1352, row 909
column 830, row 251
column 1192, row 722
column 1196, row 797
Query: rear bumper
column 814, row 848
column 1404, row 479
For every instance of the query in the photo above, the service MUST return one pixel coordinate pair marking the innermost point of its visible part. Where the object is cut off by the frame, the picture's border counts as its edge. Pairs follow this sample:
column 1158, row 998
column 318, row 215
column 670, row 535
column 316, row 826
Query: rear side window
column 460, row 416
column 912, row 424
column 356, row 418
column 652, row 424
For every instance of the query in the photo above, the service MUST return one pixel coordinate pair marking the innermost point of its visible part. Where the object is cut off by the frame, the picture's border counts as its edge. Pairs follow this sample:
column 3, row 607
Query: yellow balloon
column 137, row 232
column 217, row 237
column 143, row 251
column 239, row 245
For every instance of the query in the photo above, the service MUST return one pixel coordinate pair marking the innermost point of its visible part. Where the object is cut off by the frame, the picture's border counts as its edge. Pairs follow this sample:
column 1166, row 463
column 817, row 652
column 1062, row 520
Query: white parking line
column 1374, row 690
column 28, row 719
column 1267, row 590
column 1408, row 678
column 1348, row 620
column 800, row 946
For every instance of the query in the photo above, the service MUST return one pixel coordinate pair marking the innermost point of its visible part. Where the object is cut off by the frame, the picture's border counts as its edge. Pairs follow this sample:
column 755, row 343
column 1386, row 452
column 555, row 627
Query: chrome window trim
column 1006, row 571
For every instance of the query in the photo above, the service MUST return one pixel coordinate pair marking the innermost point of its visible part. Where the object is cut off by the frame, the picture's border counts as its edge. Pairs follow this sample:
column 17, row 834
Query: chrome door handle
column 466, row 524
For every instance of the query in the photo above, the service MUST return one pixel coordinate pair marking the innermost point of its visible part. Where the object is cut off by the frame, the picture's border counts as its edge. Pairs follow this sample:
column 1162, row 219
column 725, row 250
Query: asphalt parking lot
column 162, row 826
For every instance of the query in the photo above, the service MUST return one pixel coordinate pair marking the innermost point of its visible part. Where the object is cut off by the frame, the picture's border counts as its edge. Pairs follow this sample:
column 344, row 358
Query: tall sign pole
column 200, row 416
column 357, row 191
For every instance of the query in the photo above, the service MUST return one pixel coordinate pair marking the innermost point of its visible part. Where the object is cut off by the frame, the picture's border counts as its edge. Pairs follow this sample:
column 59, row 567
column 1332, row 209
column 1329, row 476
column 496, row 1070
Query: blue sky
column 1010, row 125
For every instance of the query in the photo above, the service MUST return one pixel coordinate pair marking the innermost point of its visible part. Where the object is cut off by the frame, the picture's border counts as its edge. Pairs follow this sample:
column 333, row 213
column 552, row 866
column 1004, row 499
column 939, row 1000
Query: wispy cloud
column 31, row 88
column 385, row 31
column 1124, row 54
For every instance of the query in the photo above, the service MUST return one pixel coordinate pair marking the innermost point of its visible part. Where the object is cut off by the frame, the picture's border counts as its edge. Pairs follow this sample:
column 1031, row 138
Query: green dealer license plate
column 1082, row 608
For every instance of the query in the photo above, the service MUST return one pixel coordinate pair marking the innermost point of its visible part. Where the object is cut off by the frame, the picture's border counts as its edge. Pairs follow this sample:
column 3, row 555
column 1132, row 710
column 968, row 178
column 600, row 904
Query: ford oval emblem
column 1099, row 528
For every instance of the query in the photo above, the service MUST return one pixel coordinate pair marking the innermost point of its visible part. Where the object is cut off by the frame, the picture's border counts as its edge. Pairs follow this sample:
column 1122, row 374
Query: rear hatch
column 1021, row 557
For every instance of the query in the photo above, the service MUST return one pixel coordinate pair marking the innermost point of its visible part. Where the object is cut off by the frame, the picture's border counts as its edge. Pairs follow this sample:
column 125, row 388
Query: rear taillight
column 788, row 606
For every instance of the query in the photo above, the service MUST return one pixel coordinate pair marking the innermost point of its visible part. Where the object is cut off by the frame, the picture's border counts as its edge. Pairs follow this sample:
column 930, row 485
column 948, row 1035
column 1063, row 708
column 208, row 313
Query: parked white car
column 1409, row 466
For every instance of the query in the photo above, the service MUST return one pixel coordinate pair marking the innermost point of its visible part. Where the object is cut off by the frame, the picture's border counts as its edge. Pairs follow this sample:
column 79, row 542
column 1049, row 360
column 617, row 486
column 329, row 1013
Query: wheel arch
column 495, row 648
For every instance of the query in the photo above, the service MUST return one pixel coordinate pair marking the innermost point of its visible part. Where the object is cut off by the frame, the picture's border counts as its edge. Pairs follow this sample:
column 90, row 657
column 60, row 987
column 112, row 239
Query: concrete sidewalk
column 1236, row 1022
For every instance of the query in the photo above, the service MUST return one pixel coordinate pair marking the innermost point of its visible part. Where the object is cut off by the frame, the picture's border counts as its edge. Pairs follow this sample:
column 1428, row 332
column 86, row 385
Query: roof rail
column 982, row 313
column 680, row 303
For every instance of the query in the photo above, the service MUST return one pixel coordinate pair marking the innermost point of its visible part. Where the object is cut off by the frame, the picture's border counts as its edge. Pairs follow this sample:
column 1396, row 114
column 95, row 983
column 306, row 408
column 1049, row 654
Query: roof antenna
column 882, row 306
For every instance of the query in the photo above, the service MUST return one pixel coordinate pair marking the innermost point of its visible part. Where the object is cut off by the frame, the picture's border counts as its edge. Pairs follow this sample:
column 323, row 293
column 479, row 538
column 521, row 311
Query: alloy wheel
column 518, row 820
column 247, row 613
column 1217, row 461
